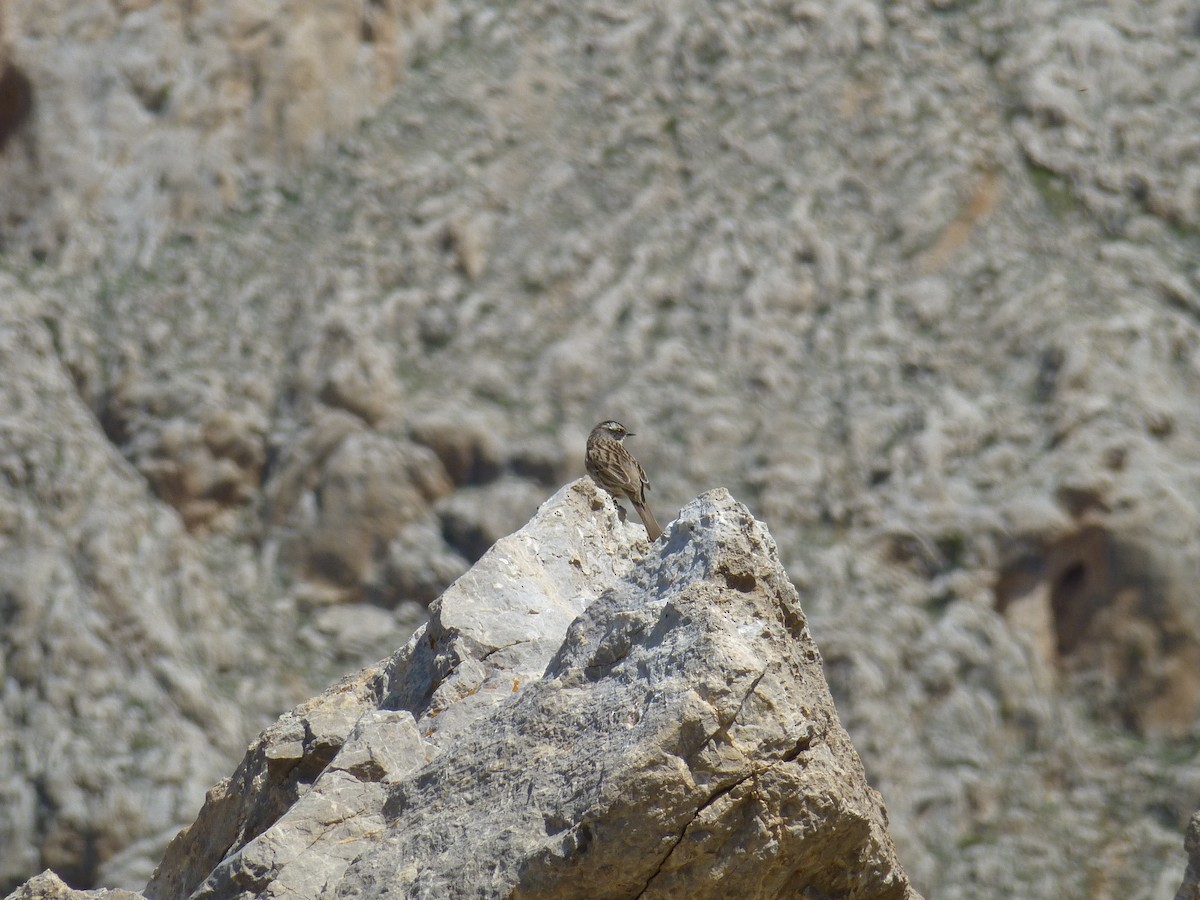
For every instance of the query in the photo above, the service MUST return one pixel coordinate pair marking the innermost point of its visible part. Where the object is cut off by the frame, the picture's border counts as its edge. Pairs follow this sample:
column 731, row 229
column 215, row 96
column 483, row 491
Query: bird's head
column 613, row 429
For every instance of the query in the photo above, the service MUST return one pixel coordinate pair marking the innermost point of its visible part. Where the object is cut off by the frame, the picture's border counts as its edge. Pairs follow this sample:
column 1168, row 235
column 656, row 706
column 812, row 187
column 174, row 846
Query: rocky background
column 305, row 304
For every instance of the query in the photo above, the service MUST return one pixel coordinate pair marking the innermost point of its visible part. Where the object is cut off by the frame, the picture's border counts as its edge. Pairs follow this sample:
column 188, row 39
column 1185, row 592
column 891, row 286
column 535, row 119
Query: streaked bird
column 614, row 469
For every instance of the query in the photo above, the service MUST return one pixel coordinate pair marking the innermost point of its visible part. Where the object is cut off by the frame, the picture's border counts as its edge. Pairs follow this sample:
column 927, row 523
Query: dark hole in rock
column 16, row 102
column 1112, row 624
column 1082, row 581
column 1069, row 602
column 739, row 581
column 1081, row 572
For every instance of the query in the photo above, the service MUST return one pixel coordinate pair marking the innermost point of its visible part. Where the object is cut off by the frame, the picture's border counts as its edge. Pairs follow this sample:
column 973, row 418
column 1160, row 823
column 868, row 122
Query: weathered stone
column 465, row 644
column 581, row 715
column 473, row 519
column 278, row 769
column 48, row 886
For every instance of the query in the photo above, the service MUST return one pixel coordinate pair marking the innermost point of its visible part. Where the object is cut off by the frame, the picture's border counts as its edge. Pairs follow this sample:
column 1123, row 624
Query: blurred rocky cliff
column 121, row 122
column 305, row 305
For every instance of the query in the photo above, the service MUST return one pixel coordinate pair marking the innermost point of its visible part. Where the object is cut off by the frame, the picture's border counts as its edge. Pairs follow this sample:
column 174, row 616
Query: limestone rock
column 48, row 886
column 457, row 650
column 475, row 518
column 581, row 711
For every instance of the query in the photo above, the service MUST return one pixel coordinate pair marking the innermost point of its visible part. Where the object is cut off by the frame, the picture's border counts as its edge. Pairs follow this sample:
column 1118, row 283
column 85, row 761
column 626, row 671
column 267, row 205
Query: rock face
column 917, row 281
column 583, row 716
column 85, row 775
column 120, row 122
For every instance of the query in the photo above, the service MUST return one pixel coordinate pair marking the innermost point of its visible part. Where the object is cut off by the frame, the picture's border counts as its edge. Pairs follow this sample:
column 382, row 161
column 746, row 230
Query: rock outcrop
column 583, row 716
column 48, row 886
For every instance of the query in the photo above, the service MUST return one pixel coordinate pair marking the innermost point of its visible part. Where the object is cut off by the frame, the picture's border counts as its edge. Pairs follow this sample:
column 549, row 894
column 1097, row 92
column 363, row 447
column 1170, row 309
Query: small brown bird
column 614, row 469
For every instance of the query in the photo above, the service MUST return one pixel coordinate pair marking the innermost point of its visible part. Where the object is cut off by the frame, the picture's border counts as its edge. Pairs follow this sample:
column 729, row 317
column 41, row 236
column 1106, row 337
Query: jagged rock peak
column 584, row 715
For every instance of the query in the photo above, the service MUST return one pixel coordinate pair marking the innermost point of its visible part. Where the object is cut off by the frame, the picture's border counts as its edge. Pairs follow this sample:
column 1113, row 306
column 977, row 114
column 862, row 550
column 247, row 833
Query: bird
column 614, row 469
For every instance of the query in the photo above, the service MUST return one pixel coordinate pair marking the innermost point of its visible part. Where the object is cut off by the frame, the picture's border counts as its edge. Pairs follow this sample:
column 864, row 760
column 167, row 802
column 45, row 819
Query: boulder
column 583, row 714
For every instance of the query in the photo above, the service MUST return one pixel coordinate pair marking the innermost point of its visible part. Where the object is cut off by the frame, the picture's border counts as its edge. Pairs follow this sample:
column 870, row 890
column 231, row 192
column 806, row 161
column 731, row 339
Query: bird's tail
column 647, row 517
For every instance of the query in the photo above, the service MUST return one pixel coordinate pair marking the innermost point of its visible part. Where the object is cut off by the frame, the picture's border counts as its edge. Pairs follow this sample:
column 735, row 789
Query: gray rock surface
column 48, row 886
column 918, row 282
column 108, row 729
column 124, row 121
column 583, row 715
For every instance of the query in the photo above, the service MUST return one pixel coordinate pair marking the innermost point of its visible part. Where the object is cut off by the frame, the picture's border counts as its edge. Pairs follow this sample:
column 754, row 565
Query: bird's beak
column 630, row 433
